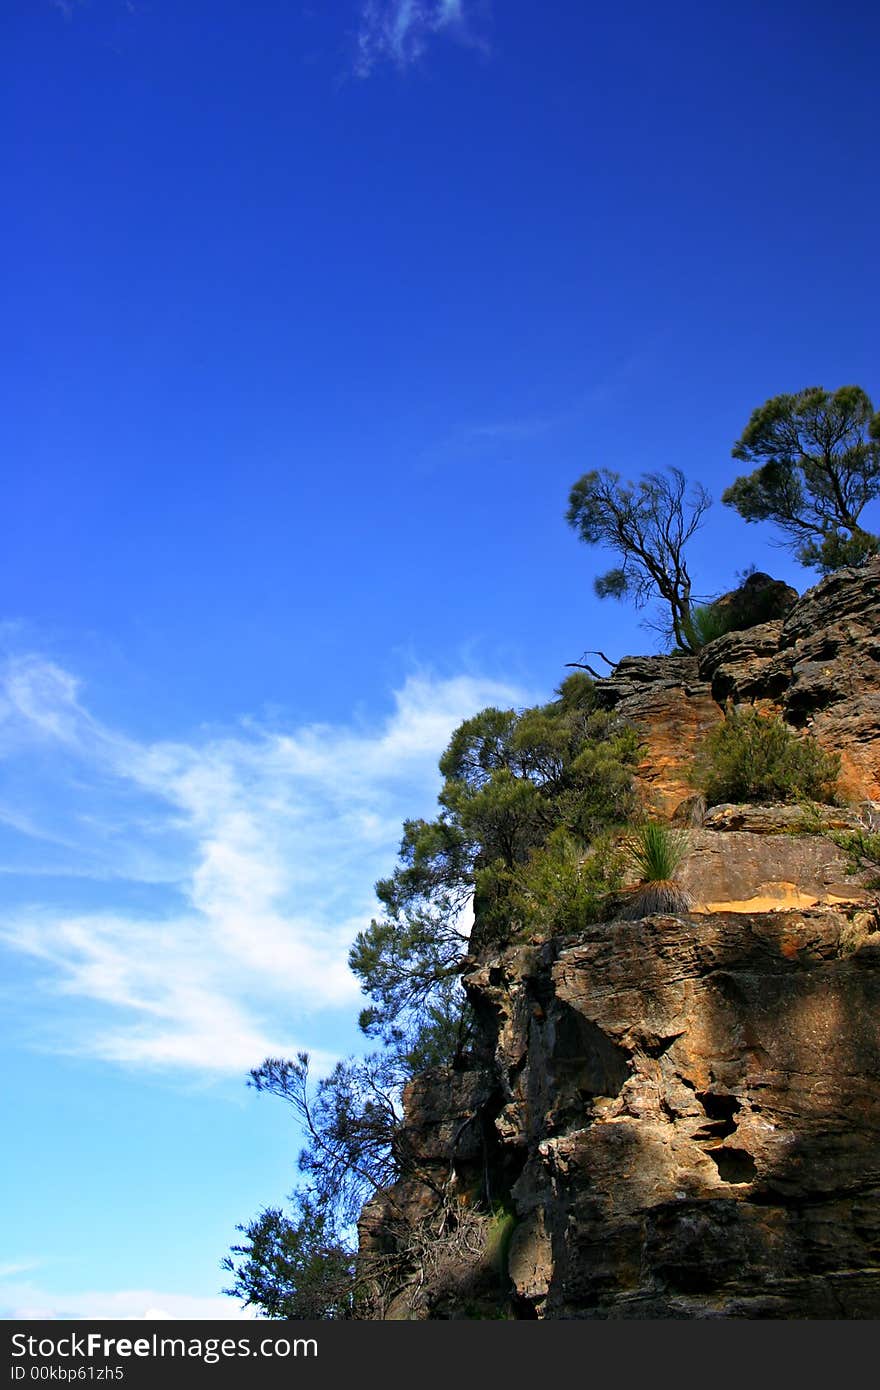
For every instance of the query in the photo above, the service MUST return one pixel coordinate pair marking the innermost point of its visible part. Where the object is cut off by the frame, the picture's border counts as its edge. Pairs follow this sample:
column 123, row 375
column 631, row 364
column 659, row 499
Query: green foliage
column 648, row 525
column 838, row 549
column 511, row 780
column 705, row 623
column 356, row 1145
column 655, row 851
column 352, row 1122
column 863, row 849
column 502, row 1225
column 293, row 1268
column 818, row 457
column 408, row 964
column 562, row 887
column 811, row 821
column 614, row 583
column 751, row 757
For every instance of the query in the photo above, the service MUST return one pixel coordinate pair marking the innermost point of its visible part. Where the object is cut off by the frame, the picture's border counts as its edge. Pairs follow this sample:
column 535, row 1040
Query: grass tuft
column 654, row 852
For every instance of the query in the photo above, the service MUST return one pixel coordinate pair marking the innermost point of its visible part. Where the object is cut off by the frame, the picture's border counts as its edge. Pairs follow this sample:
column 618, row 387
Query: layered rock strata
column 819, row 667
column 679, row 1116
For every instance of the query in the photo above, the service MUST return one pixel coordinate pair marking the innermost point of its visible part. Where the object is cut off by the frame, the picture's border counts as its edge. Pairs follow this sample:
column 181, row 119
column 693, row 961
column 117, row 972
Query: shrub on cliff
column 704, row 624
column 525, row 799
column 755, row 757
column 654, row 852
column 863, row 849
column 512, row 780
column 563, row 887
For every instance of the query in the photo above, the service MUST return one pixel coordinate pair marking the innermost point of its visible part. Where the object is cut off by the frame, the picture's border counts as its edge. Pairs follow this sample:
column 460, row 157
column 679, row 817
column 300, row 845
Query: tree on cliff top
column 818, row 456
column 648, row 524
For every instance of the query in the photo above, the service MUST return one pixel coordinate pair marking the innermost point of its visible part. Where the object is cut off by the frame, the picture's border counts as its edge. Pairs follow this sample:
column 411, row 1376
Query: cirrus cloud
column 191, row 903
column 400, row 31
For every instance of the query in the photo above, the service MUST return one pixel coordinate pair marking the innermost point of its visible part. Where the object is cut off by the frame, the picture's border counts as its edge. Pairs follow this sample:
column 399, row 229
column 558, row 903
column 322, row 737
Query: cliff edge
column 679, row 1116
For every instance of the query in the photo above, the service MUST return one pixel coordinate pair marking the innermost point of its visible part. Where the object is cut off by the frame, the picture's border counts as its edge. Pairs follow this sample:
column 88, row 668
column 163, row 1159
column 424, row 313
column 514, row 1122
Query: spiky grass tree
column 654, row 852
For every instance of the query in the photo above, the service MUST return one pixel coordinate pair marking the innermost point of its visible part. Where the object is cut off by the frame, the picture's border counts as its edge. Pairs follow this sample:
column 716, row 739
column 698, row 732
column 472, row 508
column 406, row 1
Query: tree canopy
column 511, row 780
column 648, row 524
column 818, row 457
column 293, row 1266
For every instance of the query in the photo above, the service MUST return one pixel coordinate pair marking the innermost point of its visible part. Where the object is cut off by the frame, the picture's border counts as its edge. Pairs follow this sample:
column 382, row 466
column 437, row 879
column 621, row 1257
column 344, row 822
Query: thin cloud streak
column 488, row 438
column 15, row 1267
column 262, row 848
column 400, row 31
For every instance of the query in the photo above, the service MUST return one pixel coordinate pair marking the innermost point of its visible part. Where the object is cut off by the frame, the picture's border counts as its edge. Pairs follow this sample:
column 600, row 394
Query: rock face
column 819, row 667
column 759, row 599
column 745, row 871
column 698, row 1118
column 680, row 1115
column 673, row 708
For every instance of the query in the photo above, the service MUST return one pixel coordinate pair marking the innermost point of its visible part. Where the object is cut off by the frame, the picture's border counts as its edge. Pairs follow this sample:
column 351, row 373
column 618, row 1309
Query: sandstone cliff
column 680, row 1116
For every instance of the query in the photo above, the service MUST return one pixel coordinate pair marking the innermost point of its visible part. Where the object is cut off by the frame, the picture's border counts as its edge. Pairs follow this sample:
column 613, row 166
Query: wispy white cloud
column 400, row 31
column 482, row 439
column 252, row 855
column 15, row 1267
column 29, row 1302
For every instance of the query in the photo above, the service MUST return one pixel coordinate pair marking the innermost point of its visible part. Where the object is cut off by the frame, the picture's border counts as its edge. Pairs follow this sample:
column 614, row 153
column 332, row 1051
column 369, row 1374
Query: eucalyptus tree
column 818, row 466
column 648, row 524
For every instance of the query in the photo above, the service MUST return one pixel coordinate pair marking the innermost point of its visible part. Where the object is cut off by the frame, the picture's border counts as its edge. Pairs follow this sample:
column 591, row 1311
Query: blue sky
column 313, row 314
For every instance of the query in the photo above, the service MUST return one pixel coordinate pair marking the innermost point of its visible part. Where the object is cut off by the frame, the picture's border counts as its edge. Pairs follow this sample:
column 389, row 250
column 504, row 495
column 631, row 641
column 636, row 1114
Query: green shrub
column 654, row 852
column 705, row 623
column 563, row 888
column 811, row 819
column 757, row 758
column 863, row 849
